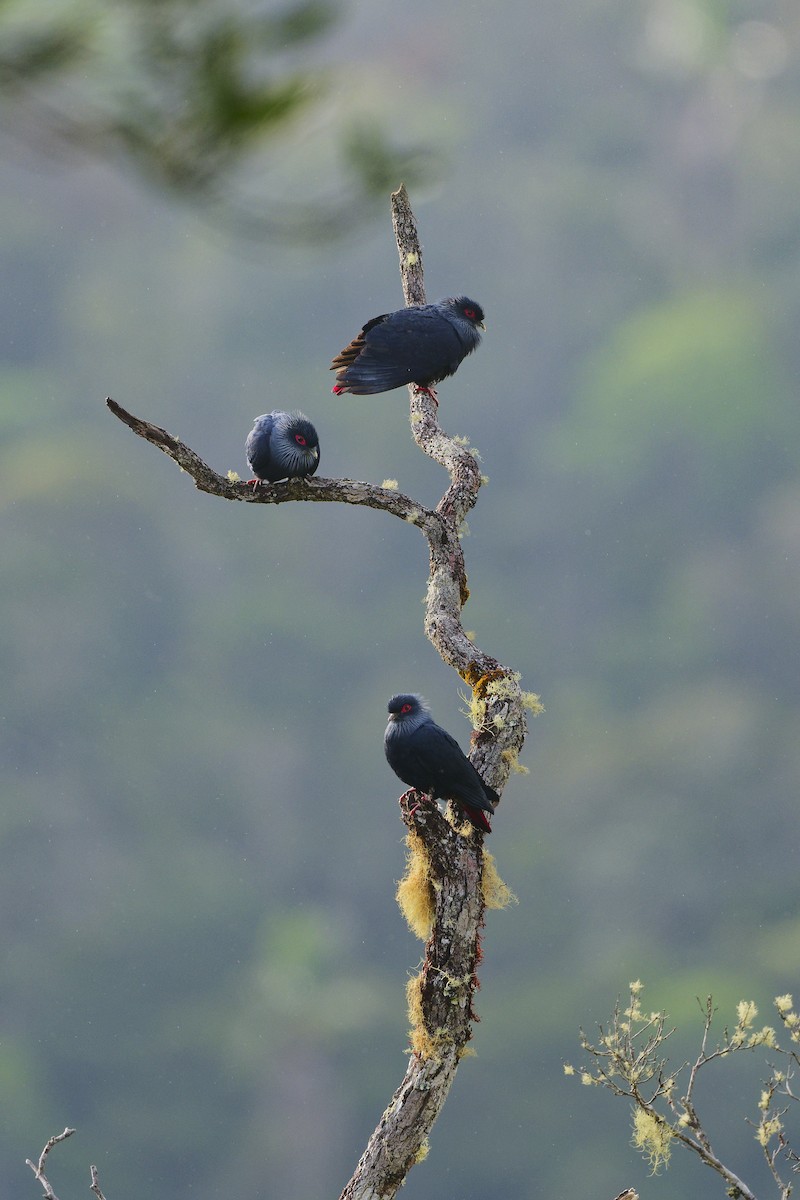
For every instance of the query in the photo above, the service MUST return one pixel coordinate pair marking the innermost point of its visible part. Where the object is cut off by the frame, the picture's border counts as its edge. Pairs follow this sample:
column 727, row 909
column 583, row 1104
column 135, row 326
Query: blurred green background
column 204, row 966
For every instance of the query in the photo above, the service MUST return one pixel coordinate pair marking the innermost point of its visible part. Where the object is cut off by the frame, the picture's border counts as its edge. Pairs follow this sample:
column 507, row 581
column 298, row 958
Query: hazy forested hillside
column 199, row 837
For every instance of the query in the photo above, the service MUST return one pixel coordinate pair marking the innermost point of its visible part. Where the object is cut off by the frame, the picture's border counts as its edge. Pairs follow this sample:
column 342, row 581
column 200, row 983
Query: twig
column 342, row 491
column 412, row 274
column 38, row 1168
column 95, row 1183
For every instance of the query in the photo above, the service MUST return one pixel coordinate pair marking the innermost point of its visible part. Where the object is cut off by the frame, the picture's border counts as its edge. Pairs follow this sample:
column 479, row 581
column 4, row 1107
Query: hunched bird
column 421, row 344
column 281, row 445
column 427, row 758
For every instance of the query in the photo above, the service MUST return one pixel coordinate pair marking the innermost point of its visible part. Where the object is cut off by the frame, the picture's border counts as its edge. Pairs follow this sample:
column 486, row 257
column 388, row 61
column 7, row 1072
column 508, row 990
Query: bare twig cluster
column 38, row 1167
column 628, row 1059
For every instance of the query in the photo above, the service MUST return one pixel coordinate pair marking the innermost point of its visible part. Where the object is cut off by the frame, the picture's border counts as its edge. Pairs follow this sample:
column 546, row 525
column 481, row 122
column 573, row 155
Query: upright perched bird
column 427, row 758
column 420, row 344
column 281, row 445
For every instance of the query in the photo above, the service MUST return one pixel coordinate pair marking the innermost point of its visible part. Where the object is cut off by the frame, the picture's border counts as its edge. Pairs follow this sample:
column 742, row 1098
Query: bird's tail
column 478, row 818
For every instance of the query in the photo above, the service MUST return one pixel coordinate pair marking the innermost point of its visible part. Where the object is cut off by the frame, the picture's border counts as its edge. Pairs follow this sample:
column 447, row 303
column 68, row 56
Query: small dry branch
column 95, row 1187
column 38, row 1167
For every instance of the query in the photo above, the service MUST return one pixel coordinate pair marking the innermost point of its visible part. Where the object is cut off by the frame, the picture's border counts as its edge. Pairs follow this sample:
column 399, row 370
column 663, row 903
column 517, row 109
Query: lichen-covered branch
column 440, row 999
column 498, row 708
column 341, row 491
column 453, row 880
column 444, row 866
column 627, row 1059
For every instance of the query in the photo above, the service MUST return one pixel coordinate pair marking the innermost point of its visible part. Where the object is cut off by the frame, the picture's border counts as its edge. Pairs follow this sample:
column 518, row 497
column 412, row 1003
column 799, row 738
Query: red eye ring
column 469, row 312
column 406, row 708
column 301, row 441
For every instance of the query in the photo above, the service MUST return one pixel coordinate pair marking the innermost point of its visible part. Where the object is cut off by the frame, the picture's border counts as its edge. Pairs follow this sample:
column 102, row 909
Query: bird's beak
column 481, row 325
column 315, row 452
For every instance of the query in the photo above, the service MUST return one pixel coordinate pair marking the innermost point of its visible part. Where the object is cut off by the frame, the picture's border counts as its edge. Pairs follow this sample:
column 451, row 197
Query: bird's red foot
column 428, row 392
column 338, row 390
column 255, row 482
column 404, row 800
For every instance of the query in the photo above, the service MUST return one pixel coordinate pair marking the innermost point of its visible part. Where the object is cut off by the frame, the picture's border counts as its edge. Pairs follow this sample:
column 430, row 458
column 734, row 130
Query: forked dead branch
column 450, row 879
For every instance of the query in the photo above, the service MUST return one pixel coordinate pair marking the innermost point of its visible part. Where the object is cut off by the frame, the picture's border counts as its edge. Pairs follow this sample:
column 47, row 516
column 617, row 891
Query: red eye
column 406, row 708
column 470, row 312
column 301, row 441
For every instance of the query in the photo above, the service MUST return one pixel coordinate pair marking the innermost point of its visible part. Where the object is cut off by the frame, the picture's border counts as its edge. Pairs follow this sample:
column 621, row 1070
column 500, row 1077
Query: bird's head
column 406, row 707
column 298, row 438
column 467, row 310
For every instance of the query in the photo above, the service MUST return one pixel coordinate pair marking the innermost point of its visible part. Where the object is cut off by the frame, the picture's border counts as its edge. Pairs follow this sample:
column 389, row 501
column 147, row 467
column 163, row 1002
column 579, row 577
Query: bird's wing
column 351, row 352
column 258, row 442
column 452, row 776
column 410, row 346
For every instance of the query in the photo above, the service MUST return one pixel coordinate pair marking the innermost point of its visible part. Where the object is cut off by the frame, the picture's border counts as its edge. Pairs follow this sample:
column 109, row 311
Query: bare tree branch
column 451, row 862
column 38, row 1168
column 95, row 1187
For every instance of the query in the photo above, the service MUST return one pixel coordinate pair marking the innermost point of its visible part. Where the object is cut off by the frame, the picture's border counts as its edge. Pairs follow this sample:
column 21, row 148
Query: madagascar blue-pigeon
column 281, row 445
column 421, row 344
column 427, row 758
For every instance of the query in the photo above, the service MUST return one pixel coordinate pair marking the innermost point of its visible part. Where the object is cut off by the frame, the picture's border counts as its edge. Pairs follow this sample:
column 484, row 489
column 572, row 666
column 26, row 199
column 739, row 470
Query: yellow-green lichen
column 423, row 1043
column 422, row 1153
column 512, row 758
column 476, row 709
column 415, row 890
column 653, row 1137
column 506, row 687
column 417, row 1033
column 496, row 894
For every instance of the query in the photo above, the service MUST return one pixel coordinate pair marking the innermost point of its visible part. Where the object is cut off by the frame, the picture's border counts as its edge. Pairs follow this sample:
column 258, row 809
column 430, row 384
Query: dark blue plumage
column 282, row 445
column 421, row 344
column 427, row 758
